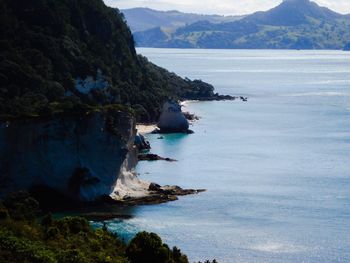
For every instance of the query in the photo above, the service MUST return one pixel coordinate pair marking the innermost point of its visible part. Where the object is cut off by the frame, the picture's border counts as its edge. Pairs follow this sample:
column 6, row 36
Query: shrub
column 21, row 206
column 4, row 214
column 148, row 247
column 72, row 240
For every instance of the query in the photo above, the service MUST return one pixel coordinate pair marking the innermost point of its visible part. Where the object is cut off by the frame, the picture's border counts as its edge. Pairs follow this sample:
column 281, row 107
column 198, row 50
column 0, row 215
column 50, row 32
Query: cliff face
column 62, row 59
column 80, row 158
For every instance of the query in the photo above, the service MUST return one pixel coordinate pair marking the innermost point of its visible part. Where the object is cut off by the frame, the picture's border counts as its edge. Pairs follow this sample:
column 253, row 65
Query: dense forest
column 73, row 56
column 26, row 238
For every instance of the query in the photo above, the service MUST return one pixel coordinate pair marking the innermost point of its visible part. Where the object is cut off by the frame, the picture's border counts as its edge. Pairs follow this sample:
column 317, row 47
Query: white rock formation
column 172, row 119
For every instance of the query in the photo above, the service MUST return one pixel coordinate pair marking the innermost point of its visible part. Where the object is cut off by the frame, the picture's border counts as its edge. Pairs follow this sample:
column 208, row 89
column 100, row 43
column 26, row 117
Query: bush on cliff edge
column 71, row 239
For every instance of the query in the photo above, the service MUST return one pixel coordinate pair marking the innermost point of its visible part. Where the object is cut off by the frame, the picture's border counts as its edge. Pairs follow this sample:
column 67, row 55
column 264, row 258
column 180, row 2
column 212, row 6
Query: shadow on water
column 164, row 142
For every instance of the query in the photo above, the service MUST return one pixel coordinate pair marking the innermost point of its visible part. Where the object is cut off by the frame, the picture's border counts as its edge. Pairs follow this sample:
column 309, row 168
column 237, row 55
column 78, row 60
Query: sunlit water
column 276, row 168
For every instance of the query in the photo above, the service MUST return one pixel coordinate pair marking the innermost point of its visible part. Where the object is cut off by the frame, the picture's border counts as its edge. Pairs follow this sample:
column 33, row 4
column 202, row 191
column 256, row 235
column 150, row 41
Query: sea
column 276, row 168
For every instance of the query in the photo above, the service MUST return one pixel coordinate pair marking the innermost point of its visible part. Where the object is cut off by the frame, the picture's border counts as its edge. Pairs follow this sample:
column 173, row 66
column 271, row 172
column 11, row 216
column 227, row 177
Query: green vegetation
column 298, row 24
column 141, row 19
column 70, row 239
column 49, row 46
column 148, row 247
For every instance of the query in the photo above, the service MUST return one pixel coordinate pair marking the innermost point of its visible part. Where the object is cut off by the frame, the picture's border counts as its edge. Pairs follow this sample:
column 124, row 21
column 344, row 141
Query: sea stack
column 172, row 119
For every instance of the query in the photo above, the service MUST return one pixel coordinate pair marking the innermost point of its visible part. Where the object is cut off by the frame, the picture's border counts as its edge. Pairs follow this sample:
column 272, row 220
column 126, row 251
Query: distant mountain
column 141, row 19
column 294, row 13
column 294, row 24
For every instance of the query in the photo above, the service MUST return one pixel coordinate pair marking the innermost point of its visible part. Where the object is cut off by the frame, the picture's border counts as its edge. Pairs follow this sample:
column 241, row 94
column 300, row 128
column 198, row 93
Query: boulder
column 172, row 119
column 141, row 142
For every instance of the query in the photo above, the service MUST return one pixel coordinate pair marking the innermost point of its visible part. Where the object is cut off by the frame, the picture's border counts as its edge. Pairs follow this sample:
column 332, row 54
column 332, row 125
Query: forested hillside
column 72, row 56
column 294, row 24
column 141, row 19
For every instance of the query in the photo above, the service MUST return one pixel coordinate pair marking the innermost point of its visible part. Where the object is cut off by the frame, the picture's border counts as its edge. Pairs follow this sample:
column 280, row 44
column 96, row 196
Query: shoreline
column 142, row 192
column 133, row 191
column 144, row 128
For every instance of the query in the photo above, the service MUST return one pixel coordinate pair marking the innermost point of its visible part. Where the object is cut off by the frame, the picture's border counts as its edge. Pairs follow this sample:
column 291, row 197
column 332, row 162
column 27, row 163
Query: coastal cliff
column 80, row 157
column 61, row 64
column 60, row 56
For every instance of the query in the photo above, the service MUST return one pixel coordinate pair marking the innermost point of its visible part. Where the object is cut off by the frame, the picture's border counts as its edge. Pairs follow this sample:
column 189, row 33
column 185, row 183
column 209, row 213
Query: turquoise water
column 276, row 168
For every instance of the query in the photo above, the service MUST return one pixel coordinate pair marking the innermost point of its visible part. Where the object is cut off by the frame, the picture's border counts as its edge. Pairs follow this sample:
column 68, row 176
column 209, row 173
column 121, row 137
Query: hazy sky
column 223, row 7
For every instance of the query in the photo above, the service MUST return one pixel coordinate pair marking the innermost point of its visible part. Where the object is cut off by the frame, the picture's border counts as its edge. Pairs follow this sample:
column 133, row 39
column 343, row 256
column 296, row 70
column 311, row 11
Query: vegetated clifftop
column 70, row 56
column 294, row 24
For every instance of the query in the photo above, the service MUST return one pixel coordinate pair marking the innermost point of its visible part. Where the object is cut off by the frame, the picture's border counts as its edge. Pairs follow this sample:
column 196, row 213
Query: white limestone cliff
column 76, row 156
column 172, row 119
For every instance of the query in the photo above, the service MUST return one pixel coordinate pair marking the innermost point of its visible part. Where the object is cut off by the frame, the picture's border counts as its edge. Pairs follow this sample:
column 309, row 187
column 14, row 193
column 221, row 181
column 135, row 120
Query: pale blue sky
column 223, row 7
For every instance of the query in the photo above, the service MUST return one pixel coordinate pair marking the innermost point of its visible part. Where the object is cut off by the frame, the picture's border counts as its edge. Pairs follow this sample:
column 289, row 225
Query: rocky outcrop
column 141, row 143
column 172, row 119
column 154, row 157
column 160, row 194
column 79, row 157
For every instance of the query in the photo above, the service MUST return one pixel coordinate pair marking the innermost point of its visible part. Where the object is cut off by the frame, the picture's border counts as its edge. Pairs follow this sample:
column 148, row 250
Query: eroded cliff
column 80, row 157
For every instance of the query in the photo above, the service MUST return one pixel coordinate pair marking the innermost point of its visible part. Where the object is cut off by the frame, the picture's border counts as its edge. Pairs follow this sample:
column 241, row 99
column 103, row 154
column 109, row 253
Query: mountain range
column 294, row 24
column 142, row 19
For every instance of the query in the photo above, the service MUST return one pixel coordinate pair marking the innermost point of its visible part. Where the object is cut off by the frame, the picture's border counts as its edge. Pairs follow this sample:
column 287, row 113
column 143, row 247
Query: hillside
column 294, row 13
column 73, row 56
column 141, row 19
column 294, row 24
column 25, row 238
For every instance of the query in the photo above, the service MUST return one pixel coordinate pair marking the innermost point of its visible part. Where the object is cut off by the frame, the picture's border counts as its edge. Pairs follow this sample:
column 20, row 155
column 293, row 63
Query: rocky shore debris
column 158, row 131
column 141, row 143
column 172, row 190
column 154, row 157
column 191, row 116
column 160, row 194
column 218, row 97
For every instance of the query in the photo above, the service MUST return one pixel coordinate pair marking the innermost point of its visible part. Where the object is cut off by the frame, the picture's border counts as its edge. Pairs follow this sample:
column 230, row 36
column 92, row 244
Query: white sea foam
column 277, row 247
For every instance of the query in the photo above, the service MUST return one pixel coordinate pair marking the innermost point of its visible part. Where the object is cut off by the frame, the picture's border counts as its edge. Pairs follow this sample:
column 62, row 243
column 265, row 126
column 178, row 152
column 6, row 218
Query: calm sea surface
column 276, row 168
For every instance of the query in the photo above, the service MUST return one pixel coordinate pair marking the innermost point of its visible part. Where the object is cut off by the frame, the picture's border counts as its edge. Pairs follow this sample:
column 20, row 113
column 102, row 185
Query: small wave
column 274, row 247
column 319, row 94
column 335, row 81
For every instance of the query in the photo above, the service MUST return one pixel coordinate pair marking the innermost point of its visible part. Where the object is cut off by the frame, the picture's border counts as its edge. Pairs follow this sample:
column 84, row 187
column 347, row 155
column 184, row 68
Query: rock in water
column 141, row 143
column 172, row 119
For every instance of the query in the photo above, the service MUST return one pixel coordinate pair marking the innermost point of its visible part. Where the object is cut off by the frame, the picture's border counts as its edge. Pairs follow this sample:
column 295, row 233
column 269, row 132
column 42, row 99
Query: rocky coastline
column 82, row 182
column 79, row 181
column 154, row 157
column 157, row 195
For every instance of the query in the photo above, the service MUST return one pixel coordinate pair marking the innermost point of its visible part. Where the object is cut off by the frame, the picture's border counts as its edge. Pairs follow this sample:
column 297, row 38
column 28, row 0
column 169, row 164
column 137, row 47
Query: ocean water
column 276, row 168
